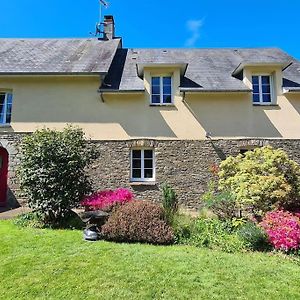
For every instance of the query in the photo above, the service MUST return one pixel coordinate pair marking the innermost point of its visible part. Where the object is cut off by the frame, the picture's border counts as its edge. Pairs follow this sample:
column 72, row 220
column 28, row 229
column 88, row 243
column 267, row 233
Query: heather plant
column 107, row 200
column 52, row 171
column 138, row 221
column 282, row 229
column 261, row 180
column 170, row 203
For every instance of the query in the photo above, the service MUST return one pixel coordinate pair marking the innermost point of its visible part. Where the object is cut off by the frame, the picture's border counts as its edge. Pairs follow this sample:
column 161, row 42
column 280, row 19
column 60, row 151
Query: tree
column 52, row 171
column 261, row 180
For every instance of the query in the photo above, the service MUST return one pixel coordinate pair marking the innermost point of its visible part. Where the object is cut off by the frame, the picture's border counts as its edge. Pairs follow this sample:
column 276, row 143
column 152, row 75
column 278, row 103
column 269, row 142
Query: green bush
column 209, row 233
column 52, row 171
column 30, row 220
column 222, row 204
column 138, row 221
column 261, row 180
column 170, row 203
column 253, row 236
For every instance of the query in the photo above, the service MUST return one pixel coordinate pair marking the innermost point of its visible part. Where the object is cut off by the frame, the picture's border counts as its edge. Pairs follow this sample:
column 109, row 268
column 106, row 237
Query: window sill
column 264, row 104
column 142, row 183
column 171, row 104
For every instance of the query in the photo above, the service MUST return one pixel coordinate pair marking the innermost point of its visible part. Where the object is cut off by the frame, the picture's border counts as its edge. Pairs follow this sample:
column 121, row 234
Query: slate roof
column 56, row 56
column 208, row 69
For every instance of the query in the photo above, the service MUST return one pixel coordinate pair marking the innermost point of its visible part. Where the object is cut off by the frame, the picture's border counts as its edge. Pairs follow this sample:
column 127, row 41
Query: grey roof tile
column 208, row 69
column 20, row 56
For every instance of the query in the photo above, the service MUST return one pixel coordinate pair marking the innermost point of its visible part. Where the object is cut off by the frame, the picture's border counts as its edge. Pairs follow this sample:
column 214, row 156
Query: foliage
column 261, row 180
column 183, row 227
column 47, row 264
column 170, row 203
column 253, row 236
column 107, row 200
column 138, row 221
column 52, row 171
column 222, row 204
column 283, row 230
column 209, row 233
column 30, row 220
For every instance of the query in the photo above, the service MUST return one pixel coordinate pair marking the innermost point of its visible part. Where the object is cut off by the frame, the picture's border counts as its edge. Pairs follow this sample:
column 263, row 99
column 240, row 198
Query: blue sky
column 162, row 23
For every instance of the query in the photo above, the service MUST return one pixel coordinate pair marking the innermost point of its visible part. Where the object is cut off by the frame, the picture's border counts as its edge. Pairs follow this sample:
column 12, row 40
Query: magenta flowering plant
column 282, row 229
column 106, row 200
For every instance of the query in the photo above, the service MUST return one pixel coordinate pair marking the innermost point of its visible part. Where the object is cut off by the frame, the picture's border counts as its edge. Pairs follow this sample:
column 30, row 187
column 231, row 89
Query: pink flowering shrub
column 106, row 200
column 282, row 229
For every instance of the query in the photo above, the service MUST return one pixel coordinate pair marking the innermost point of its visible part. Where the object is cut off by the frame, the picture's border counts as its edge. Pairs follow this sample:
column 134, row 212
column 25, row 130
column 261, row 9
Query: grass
column 48, row 264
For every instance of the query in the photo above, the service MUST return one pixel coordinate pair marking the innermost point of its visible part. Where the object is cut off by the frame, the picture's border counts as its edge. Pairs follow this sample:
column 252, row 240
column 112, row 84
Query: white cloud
column 193, row 26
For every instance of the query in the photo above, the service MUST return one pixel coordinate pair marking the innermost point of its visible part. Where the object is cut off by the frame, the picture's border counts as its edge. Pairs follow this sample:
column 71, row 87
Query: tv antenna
column 102, row 3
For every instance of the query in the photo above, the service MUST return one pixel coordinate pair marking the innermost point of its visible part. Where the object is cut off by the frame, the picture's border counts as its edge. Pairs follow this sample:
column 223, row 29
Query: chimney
column 109, row 27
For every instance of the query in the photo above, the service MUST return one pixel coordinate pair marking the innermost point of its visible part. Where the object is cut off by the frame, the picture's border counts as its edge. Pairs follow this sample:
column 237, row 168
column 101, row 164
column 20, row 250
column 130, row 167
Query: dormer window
column 262, row 89
column 161, row 90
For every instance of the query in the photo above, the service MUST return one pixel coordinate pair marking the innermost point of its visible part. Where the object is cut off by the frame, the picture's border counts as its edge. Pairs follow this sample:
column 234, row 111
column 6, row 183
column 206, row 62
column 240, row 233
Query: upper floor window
column 161, row 90
column 5, row 107
column 142, row 165
column 262, row 89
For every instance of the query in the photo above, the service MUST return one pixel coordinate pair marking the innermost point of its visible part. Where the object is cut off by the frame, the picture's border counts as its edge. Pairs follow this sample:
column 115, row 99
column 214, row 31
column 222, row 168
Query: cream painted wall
column 56, row 101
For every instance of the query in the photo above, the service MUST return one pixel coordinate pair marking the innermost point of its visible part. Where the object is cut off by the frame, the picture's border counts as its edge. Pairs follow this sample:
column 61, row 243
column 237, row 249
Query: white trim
column 272, row 93
column 142, row 179
column 5, row 123
column 161, row 91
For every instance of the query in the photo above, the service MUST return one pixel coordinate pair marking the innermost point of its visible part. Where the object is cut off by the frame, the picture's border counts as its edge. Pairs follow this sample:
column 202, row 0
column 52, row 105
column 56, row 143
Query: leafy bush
column 138, row 221
column 210, row 233
column 253, row 236
column 222, row 204
column 282, row 229
column 107, row 200
column 170, row 203
column 31, row 220
column 52, row 171
column 261, row 180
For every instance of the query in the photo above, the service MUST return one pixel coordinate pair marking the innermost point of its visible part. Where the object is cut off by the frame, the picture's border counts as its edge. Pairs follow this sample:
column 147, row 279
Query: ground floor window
column 142, row 165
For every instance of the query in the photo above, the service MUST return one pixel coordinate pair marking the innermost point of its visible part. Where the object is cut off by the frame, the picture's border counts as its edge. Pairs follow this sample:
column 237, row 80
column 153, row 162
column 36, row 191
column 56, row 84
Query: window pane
column 255, row 88
column 167, row 80
column 266, row 89
column 167, row 89
column 155, row 90
column 136, row 164
column 148, row 173
column 136, row 173
column 9, row 98
column 156, row 81
column 265, row 79
column 255, row 80
column 136, row 153
column 155, row 99
column 266, row 97
column 148, row 153
column 167, row 99
column 255, row 97
column 148, row 163
column 8, row 118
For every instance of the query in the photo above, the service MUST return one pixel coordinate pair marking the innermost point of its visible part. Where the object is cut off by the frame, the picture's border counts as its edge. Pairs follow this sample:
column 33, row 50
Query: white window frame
column 5, row 108
column 161, row 92
column 142, row 179
column 260, row 75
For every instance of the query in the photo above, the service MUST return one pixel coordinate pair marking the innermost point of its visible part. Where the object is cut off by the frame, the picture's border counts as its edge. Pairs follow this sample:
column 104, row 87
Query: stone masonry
column 185, row 165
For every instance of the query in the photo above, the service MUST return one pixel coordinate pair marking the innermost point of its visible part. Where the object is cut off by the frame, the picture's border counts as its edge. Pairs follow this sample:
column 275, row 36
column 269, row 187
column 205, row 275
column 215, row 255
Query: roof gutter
column 187, row 90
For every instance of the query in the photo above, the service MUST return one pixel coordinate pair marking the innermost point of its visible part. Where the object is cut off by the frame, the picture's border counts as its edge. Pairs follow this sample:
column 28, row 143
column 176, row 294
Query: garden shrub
column 52, row 171
column 253, row 236
column 107, row 200
column 138, row 221
column 262, row 180
column 30, row 220
column 282, row 229
column 170, row 203
column 222, row 204
column 210, row 233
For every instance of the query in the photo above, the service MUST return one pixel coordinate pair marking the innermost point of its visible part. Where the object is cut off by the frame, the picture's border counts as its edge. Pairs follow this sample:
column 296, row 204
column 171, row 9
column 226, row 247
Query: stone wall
column 185, row 165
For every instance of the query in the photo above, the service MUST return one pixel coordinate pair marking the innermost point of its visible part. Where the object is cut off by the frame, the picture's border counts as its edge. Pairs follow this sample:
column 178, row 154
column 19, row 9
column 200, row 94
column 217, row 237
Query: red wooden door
column 3, row 175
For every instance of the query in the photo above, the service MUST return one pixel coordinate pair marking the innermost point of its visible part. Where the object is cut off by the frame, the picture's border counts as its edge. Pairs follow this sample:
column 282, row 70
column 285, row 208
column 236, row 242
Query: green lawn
column 47, row 264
